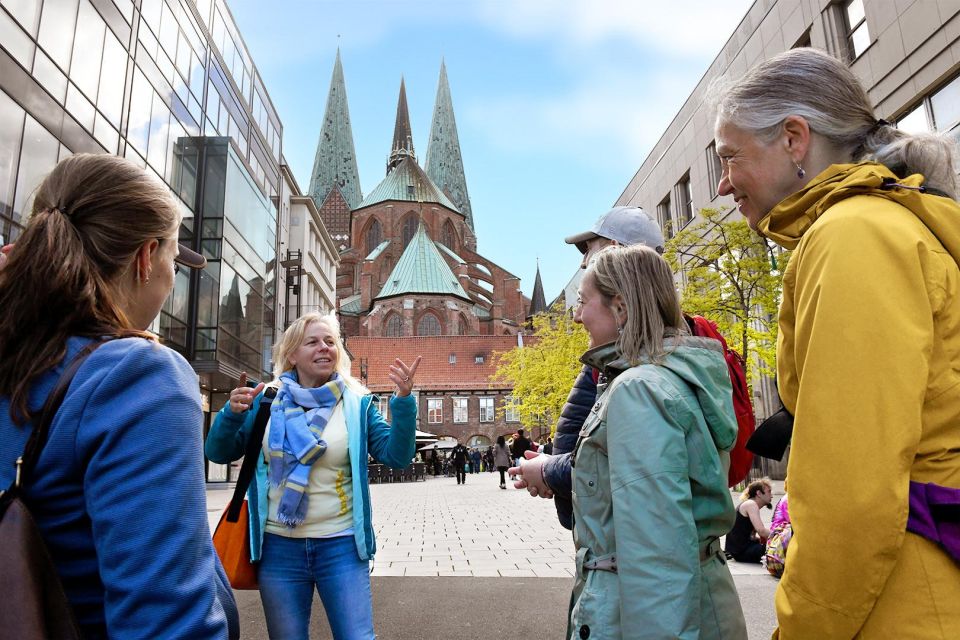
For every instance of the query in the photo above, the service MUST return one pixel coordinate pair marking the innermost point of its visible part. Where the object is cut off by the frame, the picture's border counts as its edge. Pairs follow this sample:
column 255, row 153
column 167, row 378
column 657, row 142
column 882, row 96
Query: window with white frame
column 511, row 412
column 938, row 111
column 858, row 38
column 461, row 412
column 435, row 410
column 714, row 170
column 486, row 409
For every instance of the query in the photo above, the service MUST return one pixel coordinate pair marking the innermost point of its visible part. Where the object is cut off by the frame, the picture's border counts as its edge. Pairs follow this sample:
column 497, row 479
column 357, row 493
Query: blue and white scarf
column 297, row 420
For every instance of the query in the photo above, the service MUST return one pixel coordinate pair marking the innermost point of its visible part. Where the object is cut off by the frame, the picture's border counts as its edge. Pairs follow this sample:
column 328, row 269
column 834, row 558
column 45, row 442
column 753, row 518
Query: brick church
column 411, row 281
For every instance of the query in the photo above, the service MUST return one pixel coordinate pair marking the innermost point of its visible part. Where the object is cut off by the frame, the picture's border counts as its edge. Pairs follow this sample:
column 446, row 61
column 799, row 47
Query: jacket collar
column 793, row 216
column 606, row 359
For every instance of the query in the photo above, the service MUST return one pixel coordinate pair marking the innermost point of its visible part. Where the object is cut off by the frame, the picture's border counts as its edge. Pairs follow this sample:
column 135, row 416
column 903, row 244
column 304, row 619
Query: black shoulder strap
column 42, row 420
column 254, row 445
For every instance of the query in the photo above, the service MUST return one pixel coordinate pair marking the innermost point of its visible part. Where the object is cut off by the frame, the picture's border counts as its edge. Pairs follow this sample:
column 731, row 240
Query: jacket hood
column 788, row 221
column 699, row 362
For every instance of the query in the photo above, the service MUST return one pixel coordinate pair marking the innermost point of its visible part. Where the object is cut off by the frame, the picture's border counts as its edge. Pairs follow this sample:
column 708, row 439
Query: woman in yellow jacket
column 869, row 348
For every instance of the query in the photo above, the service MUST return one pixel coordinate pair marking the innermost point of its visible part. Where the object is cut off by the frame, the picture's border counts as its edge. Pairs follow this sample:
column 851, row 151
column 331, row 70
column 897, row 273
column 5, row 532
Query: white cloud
column 681, row 27
column 617, row 113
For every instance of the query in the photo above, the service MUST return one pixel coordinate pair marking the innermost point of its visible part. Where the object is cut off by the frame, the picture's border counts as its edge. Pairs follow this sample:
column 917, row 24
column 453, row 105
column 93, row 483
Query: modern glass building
column 170, row 85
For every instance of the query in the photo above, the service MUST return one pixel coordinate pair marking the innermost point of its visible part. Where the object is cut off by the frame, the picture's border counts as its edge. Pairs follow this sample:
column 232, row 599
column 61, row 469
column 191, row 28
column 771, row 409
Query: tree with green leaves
column 543, row 371
column 731, row 276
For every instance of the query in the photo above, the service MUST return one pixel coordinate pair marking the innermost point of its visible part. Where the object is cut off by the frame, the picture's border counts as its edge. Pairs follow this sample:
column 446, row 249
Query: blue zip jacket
column 557, row 469
column 367, row 433
column 119, row 495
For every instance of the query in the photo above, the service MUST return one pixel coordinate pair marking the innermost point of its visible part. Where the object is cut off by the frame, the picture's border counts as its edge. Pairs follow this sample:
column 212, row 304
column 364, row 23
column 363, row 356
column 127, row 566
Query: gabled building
column 409, row 264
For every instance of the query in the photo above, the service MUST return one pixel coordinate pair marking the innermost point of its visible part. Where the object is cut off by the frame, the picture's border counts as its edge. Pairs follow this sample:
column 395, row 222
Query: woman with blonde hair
column 310, row 524
column 650, row 495
column 868, row 357
column 91, row 270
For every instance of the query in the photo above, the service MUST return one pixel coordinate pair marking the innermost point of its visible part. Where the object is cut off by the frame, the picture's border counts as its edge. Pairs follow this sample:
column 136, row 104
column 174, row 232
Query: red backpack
column 740, row 459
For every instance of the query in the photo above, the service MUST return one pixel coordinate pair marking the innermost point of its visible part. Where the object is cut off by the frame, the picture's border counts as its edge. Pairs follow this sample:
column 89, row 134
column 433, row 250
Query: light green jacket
column 650, row 491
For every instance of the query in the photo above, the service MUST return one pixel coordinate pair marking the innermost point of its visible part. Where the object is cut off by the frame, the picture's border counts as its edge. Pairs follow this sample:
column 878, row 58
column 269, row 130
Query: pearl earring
column 800, row 172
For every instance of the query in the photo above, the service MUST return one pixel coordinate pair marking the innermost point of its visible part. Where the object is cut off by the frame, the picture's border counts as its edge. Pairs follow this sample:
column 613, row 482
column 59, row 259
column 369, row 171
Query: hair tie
column 876, row 126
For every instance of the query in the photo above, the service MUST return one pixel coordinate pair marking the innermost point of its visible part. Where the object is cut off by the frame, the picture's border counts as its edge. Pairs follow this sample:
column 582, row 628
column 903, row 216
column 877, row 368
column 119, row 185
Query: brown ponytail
column 90, row 216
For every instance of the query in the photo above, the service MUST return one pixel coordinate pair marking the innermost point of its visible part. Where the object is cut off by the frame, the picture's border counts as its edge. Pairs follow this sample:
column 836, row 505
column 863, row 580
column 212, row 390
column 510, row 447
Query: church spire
column 402, row 136
column 538, row 302
column 444, row 163
column 335, row 165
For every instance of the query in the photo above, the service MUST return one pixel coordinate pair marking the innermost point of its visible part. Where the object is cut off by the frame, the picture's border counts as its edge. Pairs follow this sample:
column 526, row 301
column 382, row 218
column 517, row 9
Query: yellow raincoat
column 869, row 365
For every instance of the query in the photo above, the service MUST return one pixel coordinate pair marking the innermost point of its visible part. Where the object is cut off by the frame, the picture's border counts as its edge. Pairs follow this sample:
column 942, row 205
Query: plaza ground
column 474, row 561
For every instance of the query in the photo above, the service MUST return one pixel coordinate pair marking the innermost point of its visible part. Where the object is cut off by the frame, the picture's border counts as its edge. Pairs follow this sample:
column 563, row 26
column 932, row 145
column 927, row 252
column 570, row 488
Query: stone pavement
column 481, row 554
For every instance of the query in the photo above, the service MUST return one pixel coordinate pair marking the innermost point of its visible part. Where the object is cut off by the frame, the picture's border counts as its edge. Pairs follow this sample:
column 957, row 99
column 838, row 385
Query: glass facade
column 170, row 85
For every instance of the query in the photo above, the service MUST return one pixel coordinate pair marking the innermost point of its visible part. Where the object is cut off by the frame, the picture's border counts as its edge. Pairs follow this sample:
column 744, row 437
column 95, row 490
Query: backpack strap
column 251, row 454
column 42, row 421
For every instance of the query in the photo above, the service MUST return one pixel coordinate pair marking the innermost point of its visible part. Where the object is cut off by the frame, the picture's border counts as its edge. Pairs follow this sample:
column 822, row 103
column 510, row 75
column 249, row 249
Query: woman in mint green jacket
column 649, row 483
column 312, row 527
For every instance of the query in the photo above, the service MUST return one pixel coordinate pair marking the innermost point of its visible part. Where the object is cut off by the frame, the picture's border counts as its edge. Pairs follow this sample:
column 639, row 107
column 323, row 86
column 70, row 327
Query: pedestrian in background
column 501, row 458
column 868, row 357
column 460, row 457
column 521, row 444
column 96, row 261
column 650, row 496
column 311, row 525
column 474, row 461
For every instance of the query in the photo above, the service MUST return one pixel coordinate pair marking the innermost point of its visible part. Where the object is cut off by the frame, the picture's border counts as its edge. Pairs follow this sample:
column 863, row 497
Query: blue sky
column 557, row 101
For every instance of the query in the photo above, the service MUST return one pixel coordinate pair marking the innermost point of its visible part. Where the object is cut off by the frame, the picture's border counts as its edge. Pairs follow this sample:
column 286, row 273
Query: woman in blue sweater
column 312, row 525
column 97, row 260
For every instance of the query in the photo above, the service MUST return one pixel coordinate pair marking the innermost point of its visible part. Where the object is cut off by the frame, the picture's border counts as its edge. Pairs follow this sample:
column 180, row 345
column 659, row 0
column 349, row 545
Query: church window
column 409, row 230
column 374, row 236
column 428, row 325
column 394, row 326
column 463, row 327
column 449, row 236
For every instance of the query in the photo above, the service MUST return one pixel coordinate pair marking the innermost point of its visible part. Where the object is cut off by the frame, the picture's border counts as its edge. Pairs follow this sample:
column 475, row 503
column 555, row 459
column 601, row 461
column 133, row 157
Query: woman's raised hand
column 402, row 375
column 242, row 396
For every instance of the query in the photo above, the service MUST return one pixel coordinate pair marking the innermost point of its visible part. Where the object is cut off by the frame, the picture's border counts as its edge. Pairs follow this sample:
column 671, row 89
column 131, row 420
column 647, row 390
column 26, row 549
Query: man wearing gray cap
column 550, row 476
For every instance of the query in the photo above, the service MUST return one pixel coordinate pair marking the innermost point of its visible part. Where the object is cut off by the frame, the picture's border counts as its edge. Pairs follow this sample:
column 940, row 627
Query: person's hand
column 402, row 375
column 530, row 475
column 242, row 396
column 3, row 254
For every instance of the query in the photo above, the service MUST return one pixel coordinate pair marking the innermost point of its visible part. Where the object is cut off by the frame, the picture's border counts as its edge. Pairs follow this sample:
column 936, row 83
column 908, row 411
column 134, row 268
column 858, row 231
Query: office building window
column 510, row 411
column 461, row 412
column 665, row 218
column 714, row 170
column 435, row 410
column 938, row 111
column 486, row 409
column 858, row 38
column 684, row 197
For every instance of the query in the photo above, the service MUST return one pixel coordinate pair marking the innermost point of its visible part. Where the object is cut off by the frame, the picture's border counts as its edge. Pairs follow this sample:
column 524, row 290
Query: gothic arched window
column 464, row 326
column 429, row 325
column 409, row 230
column 448, row 235
column 373, row 236
column 394, row 326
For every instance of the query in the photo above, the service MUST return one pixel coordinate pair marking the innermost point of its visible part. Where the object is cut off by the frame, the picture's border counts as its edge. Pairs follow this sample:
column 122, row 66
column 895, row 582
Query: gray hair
column 819, row 88
column 644, row 281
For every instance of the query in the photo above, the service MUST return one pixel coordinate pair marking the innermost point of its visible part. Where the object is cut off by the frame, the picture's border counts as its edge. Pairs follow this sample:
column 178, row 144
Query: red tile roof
column 436, row 372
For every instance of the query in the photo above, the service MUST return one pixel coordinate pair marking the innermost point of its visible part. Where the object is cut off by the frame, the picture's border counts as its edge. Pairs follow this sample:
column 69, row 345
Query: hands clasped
column 530, row 475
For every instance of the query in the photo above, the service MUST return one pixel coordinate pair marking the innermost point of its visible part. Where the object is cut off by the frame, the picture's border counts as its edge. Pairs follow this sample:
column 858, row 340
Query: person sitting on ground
column 747, row 540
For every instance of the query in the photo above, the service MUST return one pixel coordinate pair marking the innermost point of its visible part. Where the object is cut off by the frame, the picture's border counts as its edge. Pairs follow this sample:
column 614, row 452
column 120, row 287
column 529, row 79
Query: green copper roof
column 421, row 269
column 444, row 163
column 447, row 250
column 350, row 305
column 378, row 250
column 335, row 164
column 407, row 182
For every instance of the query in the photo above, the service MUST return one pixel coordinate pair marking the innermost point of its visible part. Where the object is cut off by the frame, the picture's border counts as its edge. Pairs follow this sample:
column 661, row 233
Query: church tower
column 335, row 181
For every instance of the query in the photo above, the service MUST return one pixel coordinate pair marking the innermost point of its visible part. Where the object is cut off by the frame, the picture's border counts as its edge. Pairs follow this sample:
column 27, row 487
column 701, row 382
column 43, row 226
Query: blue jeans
column 289, row 570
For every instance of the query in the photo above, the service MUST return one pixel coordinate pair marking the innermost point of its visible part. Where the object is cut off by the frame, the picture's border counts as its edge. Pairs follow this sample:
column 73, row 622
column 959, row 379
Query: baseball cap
column 190, row 258
column 626, row 225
